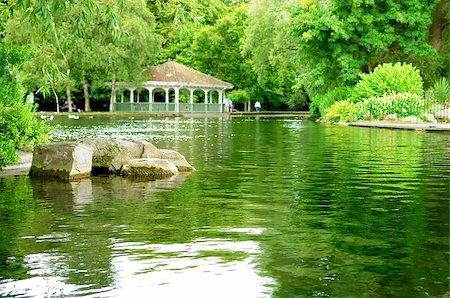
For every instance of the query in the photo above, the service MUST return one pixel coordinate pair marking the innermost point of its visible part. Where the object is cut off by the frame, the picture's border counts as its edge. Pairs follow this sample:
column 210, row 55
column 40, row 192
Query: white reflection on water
column 202, row 268
column 45, row 285
column 39, row 286
column 187, row 273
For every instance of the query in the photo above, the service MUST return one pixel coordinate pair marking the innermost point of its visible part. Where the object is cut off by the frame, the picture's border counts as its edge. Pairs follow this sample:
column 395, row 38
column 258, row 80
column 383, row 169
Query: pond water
column 277, row 207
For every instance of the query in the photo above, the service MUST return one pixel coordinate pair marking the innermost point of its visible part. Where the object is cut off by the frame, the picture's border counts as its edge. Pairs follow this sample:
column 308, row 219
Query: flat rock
column 150, row 167
column 178, row 159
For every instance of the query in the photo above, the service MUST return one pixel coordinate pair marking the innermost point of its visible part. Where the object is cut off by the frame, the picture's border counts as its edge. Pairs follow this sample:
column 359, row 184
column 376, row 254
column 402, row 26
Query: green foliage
column 341, row 111
column 340, row 39
column 11, row 57
column 19, row 130
column 239, row 95
column 216, row 50
column 320, row 103
column 401, row 104
column 441, row 90
column 386, row 78
column 271, row 48
column 297, row 100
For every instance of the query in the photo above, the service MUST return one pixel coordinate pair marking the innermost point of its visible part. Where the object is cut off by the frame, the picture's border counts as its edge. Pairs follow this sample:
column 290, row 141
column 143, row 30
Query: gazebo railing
column 161, row 107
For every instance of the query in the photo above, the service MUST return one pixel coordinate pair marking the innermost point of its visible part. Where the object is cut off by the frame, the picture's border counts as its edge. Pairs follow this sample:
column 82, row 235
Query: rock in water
column 110, row 155
column 62, row 160
column 150, row 167
column 175, row 157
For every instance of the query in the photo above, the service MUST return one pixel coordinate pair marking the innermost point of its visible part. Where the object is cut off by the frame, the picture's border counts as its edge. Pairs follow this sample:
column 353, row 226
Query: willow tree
column 272, row 50
column 216, row 50
column 124, row 57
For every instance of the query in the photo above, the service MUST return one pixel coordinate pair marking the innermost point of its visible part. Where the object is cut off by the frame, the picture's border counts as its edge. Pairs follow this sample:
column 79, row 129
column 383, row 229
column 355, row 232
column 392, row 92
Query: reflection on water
column 277, row 207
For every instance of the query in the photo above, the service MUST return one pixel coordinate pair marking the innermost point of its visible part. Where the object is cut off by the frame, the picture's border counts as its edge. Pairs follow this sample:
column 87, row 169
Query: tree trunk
column 113, row 95
column 248, row 106
column 56, row 96
column 87, row 102
column 68, row 95
column 58, row 44
column 438, row 24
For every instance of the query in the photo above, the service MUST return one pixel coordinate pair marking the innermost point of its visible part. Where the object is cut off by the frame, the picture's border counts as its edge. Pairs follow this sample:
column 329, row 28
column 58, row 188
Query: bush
column 388, row 78
column 297, row 100
column 441, row 90
column 19, row 129
column 402, row 104
column 342, row 111
column 320, row 104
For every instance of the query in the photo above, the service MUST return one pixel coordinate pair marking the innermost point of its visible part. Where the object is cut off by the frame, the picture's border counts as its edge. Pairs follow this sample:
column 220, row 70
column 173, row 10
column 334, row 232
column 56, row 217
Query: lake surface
column 277, row 207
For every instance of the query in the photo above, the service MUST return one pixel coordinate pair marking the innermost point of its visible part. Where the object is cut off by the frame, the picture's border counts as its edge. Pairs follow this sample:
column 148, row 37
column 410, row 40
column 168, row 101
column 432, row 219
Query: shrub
column 19, row 129
column 402, row 104
column 388, row 78
column 342, row 111
column 441, row 90
column 297, row 100
column 320, row 104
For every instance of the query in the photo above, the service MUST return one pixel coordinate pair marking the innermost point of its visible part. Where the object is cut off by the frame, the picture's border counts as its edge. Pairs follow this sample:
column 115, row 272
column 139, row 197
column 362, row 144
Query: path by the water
column 400, row 125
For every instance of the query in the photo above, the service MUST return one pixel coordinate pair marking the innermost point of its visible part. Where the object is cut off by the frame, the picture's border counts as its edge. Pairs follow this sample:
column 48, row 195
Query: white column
column 167, row 95
column 132, row 95
column 220, row 97
column 191, row 96
column 210, row 96
column 121, row 96
column 137, row 92
column 206, row 96
column 177, row 100
column 150, row 95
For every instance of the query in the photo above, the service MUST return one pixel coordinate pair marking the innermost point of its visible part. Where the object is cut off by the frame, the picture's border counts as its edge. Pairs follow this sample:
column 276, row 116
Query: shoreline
column 442, row 127
column 145, row 115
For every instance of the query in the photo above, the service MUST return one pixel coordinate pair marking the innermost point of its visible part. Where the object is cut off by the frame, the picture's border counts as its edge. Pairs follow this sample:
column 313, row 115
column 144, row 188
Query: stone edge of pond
column 21, row 168
column 439, row 127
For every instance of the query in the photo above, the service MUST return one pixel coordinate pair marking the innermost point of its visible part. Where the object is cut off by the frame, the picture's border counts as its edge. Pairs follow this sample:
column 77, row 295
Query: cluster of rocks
column 87, row 157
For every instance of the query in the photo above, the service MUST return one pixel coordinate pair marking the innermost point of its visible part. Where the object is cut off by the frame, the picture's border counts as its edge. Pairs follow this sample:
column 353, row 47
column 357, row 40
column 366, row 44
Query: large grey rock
column 175, row 157
column 149, row 150
column 110, row 155
column 150, row 167
column 62, row 160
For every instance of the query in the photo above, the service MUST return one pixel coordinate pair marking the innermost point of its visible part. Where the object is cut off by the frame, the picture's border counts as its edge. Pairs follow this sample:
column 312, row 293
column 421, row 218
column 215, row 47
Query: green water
column 276, row 208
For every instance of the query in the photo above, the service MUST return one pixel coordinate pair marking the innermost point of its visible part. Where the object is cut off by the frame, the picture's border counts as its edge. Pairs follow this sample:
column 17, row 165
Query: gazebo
column 171, row 78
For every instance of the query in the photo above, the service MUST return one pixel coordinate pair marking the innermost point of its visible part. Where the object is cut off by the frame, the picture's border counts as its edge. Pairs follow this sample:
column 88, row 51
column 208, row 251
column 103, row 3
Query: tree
column 216, row 51
column 272, row 48
column 338, row 40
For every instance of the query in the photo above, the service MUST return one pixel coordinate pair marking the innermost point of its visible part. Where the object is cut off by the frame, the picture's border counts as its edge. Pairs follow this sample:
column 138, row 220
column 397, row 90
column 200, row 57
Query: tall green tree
column 124, row 57
column 272, row 48
column 338, row 40
column 216, row 50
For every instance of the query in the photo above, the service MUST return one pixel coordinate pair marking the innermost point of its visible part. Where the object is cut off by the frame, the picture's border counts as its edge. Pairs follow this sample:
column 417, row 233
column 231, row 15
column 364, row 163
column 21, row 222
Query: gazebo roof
column 174, row 72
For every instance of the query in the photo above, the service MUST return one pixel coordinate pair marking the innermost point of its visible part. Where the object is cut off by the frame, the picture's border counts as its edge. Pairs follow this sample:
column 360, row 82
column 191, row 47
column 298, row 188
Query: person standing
column 257, row 106
column 229, row 105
